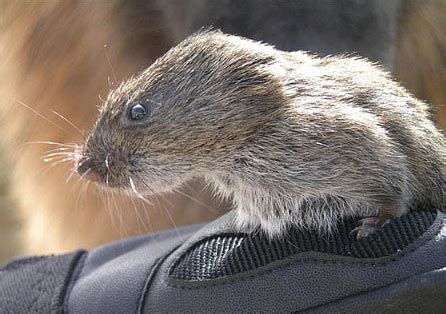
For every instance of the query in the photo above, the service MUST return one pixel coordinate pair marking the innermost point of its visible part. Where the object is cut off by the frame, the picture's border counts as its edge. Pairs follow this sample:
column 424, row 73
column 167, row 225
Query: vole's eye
column 137, row 112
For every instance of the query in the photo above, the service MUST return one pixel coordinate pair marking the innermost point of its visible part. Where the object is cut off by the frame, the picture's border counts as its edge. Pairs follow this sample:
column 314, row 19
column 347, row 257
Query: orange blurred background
column 63, row 55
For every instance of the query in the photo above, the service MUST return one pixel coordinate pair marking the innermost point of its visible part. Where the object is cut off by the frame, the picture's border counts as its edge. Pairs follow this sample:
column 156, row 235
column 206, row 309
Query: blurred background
column 61, row 57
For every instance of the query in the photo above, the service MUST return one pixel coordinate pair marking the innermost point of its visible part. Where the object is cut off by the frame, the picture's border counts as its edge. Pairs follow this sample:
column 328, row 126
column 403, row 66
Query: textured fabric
column 36, row 284
column 408, row 273
column 313, row 279
column 229, row 254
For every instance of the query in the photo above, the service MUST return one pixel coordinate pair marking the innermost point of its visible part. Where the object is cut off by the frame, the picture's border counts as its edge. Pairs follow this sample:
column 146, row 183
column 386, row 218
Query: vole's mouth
column 84, row 167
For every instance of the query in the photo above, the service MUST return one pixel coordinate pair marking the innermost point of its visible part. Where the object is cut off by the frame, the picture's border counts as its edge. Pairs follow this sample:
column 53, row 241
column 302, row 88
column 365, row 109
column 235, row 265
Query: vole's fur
column 291, row 138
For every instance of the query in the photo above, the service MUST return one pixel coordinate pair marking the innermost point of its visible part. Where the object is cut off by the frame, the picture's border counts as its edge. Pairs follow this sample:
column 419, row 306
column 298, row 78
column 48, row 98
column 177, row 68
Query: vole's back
column 352, row 88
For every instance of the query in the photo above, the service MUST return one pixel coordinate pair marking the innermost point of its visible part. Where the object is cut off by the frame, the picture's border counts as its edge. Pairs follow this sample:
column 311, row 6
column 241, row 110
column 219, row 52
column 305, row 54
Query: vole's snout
column 107, row 166
column 85, row 169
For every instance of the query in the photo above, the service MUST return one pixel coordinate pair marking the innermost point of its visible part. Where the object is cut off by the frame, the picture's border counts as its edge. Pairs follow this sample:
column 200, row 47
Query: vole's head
column 188, row 114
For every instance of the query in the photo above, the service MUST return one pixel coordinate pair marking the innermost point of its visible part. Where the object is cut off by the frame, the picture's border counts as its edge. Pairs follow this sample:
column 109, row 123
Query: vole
column 292, row 139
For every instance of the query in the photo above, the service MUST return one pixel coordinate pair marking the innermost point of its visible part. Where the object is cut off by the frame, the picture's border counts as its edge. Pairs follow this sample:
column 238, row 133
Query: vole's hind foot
column 368, row 226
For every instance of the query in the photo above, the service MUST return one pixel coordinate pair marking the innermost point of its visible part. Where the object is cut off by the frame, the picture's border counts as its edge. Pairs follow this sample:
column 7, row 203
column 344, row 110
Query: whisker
column 159, row 247
column 86, row 191
column 106, row 162
column 144, row 202
column 59, row 149
column 197, row 201
column 85, row 173
column 51, row 166
column 165, row 209
column 163, row 206
column 169, row 215
column 132, row 185
column 79, row 196
column 68, row 121
column 57, row 158
column 70, row 176
column 54, row 154
column 138, row 216
column 105, row 196
column 83, row 193
column 51, row 143
column 106, row 180
column 40, row 115
column 147, row 216
column 122, row 232
column 110, row 64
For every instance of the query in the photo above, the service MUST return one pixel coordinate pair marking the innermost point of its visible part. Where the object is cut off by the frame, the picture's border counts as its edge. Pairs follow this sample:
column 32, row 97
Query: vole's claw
column 364, row 231
column 368, row 226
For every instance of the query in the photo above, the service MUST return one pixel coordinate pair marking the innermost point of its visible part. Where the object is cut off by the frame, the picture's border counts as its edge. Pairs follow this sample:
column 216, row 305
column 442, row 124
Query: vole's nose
column 85, row 169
